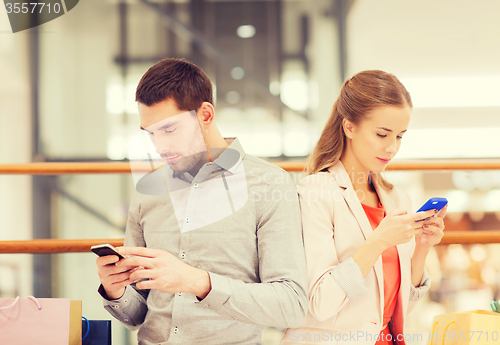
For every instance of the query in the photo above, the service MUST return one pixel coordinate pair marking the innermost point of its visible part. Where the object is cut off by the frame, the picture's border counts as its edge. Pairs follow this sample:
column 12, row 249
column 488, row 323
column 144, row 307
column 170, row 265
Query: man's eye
column 169, row 130
column 382, row 135
column 399, row 137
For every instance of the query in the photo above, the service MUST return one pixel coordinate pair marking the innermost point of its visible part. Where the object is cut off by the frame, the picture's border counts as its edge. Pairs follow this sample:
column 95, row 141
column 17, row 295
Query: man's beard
column 187, row 163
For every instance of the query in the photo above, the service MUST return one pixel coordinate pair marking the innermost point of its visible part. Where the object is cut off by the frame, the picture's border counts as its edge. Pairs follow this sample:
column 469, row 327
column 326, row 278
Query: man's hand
column 114, row 279
column 164, row 271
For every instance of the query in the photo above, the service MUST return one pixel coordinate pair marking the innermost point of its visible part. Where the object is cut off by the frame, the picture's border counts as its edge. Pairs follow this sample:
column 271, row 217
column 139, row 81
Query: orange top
column 392, row 274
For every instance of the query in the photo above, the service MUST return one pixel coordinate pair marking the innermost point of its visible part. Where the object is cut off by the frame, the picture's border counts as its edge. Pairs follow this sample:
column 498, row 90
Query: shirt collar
column 232, row 156
column 229, row 160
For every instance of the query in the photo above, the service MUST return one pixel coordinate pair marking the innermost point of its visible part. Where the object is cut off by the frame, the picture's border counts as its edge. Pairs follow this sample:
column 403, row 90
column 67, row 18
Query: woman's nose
column 392, row 148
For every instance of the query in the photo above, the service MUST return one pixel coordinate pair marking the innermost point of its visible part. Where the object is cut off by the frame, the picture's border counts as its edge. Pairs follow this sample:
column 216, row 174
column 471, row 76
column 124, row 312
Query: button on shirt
column 238, row 219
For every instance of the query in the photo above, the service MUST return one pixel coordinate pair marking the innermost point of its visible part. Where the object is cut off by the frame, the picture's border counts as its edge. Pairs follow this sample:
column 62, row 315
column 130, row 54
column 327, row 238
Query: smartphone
column 433, row 204
column 106, row 249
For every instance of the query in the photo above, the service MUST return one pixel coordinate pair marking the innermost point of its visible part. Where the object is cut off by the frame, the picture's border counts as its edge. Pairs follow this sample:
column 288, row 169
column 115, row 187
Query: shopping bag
column 475, row 327
column 96, row 332
column 40, row 321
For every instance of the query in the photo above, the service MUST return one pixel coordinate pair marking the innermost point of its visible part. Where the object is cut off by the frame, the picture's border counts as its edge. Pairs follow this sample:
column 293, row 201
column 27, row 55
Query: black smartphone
column 105, row 250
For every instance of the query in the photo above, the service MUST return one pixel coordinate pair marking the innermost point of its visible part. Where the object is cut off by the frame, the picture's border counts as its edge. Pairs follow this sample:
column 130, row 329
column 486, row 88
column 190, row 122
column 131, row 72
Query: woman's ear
column 348, row 128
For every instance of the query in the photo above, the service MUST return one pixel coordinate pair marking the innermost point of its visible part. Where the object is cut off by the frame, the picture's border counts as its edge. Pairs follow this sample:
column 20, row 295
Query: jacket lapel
column 385, row 199
column 404, row 250
column 389, row 205
column 352, row 200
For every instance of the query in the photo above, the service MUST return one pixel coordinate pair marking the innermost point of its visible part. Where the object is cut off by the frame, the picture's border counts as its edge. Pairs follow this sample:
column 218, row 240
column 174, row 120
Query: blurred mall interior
column 67, row 95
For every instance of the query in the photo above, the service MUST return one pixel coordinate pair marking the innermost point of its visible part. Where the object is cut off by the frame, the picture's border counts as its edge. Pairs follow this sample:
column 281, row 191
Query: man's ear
column 206, row 113
column 348, row 128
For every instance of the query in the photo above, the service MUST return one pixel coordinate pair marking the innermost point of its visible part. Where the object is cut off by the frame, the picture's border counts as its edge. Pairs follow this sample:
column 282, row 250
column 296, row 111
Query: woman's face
column 376, row 140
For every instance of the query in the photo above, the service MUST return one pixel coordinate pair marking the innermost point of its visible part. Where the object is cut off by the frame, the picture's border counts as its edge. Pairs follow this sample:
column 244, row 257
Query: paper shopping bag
column 40, row 321
column 475, row 327
column 75, row 323
column 96, row 332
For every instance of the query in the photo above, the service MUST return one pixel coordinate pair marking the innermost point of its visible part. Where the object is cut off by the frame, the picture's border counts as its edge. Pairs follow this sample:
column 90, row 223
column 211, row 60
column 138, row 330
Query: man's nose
column 162, row 144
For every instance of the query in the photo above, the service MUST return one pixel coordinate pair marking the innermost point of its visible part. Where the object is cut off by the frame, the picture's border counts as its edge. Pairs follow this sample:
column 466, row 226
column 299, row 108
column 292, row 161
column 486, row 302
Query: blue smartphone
column 433, row 204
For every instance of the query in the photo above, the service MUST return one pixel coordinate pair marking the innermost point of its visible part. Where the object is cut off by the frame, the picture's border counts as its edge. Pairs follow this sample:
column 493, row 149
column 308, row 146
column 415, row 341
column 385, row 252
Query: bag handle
column 38, row 305
column 88, row 327
column 444, row 331
column 433, row 332
column 446, row 328
column 11, row 305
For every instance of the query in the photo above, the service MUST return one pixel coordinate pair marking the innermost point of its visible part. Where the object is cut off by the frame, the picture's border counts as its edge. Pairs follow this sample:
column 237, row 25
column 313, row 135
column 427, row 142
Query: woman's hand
column 396, row 228
column 399, row 227
column 433, row 230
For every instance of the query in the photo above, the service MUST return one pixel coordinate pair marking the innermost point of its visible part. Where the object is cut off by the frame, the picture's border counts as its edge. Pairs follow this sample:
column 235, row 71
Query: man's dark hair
column 175, row 79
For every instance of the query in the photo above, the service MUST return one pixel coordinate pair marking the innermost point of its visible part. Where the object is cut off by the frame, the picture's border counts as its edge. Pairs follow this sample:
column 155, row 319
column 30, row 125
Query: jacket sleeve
column 416, row 292
column 331, row 283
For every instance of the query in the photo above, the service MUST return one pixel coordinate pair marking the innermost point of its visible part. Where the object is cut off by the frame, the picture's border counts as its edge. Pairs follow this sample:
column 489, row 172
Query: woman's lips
column 385, row 161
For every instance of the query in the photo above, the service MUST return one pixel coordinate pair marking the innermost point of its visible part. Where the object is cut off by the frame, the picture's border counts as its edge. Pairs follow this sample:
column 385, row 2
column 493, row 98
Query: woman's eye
column 169, row 130
column 382, row 135
column 399, row 137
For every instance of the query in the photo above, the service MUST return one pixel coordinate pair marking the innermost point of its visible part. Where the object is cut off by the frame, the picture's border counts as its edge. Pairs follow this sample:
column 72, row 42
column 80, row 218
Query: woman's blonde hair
column 359, row 95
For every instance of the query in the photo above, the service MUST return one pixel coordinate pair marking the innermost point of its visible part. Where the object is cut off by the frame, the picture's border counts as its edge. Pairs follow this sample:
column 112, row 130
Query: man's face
column 176, row 134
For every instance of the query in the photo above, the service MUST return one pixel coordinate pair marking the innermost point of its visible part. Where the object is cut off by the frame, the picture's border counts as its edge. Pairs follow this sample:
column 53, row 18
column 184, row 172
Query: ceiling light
column 237, row 73
column 245, row 31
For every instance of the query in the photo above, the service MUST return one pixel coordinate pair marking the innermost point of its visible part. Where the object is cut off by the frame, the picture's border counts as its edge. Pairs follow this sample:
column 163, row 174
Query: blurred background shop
column 67, row 94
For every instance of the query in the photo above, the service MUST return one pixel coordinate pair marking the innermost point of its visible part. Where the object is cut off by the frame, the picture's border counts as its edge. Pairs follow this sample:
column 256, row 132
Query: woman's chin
column 377, row 170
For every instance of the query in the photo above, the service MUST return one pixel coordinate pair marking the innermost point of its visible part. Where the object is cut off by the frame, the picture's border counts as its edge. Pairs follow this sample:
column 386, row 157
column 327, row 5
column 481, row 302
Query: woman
column 365, row 247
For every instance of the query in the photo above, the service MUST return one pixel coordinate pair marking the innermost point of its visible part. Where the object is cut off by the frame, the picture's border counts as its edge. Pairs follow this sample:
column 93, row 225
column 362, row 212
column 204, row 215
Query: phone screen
column 105, row 251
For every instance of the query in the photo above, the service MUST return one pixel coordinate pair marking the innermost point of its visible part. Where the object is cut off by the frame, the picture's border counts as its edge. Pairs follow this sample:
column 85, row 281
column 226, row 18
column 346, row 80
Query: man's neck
column 211, row 155
column 216, row 148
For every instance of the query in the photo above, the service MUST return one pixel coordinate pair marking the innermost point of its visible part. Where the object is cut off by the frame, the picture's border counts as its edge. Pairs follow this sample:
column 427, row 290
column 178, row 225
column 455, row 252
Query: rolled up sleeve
column 130, row 309
column 350, row 278
column 417, row 292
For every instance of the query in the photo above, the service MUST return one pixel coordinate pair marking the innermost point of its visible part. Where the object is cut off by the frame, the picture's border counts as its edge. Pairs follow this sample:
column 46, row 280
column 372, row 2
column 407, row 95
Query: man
column 213, row 241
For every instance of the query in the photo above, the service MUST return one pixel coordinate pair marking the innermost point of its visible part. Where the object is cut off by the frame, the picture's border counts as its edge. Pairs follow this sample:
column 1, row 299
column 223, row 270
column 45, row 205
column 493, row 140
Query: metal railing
column 83, row 245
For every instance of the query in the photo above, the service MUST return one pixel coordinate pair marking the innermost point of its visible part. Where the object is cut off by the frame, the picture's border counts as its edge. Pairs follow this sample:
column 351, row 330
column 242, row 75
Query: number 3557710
column 464, row 335
column 32, row 7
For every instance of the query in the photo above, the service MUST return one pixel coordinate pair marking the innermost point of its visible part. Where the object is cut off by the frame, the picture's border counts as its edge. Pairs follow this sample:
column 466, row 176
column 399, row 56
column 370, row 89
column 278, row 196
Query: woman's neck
column 360, row 179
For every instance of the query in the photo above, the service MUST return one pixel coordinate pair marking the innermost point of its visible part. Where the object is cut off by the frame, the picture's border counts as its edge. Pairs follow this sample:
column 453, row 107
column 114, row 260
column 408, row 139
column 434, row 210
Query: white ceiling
column 425, row 37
